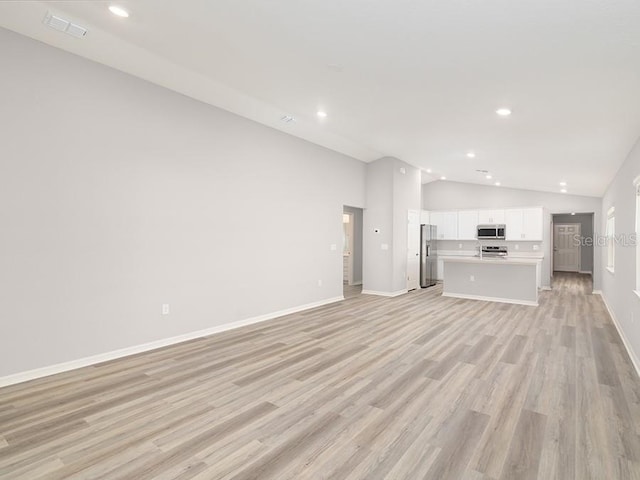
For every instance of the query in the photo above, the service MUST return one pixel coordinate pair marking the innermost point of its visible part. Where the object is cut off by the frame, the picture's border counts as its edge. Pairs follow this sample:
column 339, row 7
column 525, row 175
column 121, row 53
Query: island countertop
column 494, row 260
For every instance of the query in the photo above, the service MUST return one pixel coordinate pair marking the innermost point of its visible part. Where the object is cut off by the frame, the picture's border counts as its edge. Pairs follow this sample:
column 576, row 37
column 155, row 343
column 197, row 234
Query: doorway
column 572, row 249
column 352, row 228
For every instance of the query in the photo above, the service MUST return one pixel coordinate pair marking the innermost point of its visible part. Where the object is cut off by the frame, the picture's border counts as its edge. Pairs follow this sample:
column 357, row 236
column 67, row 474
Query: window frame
column 610, row 233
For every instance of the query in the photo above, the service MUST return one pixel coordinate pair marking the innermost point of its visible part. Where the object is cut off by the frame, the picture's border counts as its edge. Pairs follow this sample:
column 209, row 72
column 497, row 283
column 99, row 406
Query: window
column 611, row 241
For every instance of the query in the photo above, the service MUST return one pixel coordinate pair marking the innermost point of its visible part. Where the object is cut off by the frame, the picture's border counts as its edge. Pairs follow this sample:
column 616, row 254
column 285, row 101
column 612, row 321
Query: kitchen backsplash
column 473, row 245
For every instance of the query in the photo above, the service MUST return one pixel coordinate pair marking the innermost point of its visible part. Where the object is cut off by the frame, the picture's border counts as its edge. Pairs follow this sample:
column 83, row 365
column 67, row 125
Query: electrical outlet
column 459, row 245
column 536, row 247
column 384, row 246
column 333, row 247
column 165, row 309
column 320, row 283
column 517, row 247
column 472, row 278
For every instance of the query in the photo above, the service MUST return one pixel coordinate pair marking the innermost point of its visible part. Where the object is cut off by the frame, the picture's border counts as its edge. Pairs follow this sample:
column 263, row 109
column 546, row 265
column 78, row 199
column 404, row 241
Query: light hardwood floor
column 412, row 387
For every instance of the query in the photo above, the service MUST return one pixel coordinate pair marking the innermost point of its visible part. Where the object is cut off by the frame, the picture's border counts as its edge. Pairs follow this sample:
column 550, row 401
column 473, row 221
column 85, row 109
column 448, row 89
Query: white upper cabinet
column 521, row 223
column 514, row 224
column 533, row 220
column 467, row 224
column 524, row 224
column 447, row 223
column 488, row 217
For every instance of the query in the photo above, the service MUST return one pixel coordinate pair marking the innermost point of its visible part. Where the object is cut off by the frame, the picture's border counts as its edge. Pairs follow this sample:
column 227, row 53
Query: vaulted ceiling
column 418, row 80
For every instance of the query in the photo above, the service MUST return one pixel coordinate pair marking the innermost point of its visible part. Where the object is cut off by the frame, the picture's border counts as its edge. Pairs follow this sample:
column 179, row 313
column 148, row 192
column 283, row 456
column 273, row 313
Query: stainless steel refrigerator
column 428, row 255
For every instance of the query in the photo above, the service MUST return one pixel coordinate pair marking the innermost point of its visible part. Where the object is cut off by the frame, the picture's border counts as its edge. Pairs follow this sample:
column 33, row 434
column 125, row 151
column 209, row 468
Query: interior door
column 566, row 248
column 347, row 250
column 413, row 249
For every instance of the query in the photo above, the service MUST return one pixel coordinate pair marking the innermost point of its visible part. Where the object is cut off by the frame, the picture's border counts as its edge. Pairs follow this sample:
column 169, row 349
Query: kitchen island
column 497, row 279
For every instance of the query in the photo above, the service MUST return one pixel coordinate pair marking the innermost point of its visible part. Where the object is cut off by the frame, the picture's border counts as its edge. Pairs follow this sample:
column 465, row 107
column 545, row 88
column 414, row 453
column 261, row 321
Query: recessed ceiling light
column 471, row 155
column 443, row 178
column 489, row 177
column 428, row 170
column 564, row 190
column 322, row 114
column 503, row 112
column 563, row 184
column 573, row 213
column 119, row 11
column 498, row 184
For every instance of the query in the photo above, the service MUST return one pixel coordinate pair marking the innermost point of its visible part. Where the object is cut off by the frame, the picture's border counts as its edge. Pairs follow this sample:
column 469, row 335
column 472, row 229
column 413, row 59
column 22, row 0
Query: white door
column 413, row 249
column 347, row 249
column 566, row 247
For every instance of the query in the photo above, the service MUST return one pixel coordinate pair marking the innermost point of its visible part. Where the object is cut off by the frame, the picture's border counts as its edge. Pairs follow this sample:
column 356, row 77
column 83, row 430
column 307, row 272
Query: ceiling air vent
column 64, row 26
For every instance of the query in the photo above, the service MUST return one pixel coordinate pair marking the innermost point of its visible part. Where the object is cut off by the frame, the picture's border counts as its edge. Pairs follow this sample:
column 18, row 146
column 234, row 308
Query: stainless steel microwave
column 491, row 232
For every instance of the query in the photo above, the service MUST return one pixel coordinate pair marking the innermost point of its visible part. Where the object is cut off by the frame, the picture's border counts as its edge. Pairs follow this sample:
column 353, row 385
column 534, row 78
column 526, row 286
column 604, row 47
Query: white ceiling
column 416, row 79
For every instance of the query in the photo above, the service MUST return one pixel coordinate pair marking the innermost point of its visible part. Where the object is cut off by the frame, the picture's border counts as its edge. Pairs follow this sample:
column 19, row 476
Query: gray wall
column 378, row 215
column 117, row 196
column 586, row 232
column 357, row 242
column 618, row 287
column 443, row 195
column 390, row 195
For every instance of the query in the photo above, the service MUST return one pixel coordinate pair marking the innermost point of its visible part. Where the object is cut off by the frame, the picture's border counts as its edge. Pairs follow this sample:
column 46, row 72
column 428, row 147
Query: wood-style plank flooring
column 413, row 387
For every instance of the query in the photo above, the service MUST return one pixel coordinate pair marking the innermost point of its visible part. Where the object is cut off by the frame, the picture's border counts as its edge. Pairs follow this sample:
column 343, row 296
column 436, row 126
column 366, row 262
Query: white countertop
column 491, row 260
column 446, row 254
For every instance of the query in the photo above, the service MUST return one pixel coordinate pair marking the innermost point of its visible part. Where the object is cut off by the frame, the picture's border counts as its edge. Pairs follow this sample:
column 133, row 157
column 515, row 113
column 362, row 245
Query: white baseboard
column 598, row 292
column 586, row 271
column 384, row 294
column 625, row 341
column 357, row 283
column 546, row 287
column 491, row 299
column 124, row 352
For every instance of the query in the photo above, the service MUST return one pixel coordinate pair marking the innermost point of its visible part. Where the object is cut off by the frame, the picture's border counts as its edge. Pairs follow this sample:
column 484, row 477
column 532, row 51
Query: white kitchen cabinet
column 489, row 217
column 447, row 224
column 467, row 224
column 524, row 224
column 513, row 224
column 424, row 217
column 533, row 224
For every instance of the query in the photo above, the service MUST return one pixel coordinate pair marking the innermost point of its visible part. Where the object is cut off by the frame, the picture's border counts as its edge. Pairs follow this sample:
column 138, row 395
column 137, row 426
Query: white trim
column 610, row 270
column 586, row 271
column 636, row 181
column 597, row 292
column 625, row 340
column 611, row 212
column 546, row 288
column 384, row 294
column 637, row 293
column 357, row 283
column 145, row 347
column 490, row 299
